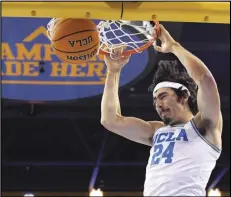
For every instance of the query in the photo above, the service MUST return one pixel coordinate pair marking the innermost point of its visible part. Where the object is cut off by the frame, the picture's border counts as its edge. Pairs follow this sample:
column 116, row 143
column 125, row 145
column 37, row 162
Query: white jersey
column 180, row 163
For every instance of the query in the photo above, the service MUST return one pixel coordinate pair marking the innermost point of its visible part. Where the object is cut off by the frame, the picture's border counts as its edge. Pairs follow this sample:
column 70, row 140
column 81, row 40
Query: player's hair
column 173, row 71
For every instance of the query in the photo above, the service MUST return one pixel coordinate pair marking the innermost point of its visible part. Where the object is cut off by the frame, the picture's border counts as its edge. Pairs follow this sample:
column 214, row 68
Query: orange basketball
column 75, row 40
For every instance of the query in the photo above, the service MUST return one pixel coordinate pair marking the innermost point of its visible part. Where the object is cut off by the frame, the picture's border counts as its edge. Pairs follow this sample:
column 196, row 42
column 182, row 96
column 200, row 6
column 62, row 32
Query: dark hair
column 173, row 71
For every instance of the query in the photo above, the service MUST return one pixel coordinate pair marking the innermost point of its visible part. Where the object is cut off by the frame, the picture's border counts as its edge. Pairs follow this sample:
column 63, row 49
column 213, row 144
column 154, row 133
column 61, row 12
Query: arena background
column 55, row 144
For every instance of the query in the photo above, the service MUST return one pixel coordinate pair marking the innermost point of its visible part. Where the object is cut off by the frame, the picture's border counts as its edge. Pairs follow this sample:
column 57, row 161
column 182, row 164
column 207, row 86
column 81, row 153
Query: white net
column 50, row 27
column 130, row 35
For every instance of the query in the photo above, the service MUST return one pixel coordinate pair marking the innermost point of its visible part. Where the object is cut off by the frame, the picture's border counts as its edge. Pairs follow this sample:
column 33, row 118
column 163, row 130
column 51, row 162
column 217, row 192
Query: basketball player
column 186, row 144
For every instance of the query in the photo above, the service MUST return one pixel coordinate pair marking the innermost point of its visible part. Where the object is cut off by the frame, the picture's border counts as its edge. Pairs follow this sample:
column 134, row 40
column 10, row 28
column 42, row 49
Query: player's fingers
column 157, row 31
column 116, row 53
column 158, row 48
column 163, row 30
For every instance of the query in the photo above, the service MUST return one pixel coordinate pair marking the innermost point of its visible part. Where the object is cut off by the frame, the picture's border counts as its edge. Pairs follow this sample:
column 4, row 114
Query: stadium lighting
column 214, row 192
column 28, row 195
column 97, row 192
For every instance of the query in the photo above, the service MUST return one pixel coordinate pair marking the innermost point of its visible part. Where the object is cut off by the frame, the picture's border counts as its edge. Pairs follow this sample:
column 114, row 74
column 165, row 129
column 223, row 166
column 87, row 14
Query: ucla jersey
column 180, row 163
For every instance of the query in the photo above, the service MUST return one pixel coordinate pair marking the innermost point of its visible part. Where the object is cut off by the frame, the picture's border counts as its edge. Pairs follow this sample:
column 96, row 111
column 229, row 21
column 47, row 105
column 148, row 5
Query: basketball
column 75, row 40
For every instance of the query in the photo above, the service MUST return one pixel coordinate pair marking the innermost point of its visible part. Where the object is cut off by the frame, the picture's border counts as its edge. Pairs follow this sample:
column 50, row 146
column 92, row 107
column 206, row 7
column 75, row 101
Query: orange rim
column 143, row 47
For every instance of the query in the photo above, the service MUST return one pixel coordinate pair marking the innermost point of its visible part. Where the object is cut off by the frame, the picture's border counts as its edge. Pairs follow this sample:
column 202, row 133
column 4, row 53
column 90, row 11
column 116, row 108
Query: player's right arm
column 131, row 128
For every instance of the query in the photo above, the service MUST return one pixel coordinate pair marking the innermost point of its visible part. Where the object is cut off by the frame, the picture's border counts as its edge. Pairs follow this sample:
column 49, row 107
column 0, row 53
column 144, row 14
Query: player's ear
column 184, row 99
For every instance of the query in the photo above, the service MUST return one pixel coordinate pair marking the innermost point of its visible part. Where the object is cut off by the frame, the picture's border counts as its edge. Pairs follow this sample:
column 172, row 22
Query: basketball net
column 120, row 37
column 50, row 27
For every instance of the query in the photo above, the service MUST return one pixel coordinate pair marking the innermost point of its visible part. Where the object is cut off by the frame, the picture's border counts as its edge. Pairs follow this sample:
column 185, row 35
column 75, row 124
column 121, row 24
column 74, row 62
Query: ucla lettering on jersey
column 180, row 162
column 164, row 143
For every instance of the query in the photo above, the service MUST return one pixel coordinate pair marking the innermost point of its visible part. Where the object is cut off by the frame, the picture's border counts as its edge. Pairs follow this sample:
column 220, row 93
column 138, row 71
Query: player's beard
column 167, row 120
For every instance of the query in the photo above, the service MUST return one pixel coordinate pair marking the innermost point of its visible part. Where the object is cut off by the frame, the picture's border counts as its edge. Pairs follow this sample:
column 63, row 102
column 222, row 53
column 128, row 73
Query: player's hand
column 167, row 41
column 118, row 61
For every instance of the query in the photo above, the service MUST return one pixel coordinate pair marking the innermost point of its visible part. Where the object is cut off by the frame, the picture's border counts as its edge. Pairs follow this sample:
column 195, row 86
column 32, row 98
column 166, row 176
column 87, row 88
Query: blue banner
column 25, row 47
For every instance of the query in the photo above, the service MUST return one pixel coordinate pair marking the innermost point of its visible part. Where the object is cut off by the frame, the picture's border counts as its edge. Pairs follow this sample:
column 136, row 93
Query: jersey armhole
column 214, row 147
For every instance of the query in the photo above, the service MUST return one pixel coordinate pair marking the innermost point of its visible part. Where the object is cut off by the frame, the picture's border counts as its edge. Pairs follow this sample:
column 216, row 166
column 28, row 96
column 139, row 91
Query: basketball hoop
column 132, row 37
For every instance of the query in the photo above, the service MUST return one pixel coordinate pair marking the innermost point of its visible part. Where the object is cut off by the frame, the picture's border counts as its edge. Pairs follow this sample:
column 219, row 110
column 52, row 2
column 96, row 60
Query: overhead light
column 28, row 195
column 97, row 192
column 213, row 192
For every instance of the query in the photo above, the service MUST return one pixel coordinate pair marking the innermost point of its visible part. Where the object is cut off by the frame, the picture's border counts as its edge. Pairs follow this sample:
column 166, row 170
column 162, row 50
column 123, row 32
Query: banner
column 25, row 48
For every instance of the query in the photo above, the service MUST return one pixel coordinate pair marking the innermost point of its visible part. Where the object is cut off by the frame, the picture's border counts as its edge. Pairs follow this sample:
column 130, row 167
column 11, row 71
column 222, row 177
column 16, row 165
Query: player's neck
column 182, row 120
column 177, row 123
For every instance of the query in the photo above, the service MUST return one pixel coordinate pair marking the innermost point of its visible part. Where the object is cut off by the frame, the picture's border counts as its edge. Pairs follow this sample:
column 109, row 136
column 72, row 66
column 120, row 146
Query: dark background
column 55, row 146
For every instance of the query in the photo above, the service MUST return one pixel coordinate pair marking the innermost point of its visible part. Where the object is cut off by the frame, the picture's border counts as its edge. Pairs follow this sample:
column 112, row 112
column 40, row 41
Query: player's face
column 168, row 106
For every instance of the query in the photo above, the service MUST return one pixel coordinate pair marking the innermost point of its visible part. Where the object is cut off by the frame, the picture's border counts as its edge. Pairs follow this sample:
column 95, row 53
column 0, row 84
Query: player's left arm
column 208, row 98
